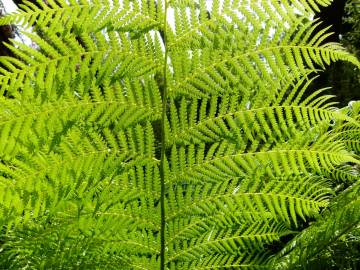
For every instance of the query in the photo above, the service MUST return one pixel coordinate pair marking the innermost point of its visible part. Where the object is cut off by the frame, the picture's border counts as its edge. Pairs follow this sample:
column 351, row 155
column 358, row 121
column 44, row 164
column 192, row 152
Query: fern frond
column 50, row 66
column 226, row 218
column 228, row 241
column 98, row 187
column 339, row 219
column 80, row 175
column 224, row 46
column 265, row 196
column 281, row 120
column 254, row 261
column 223, row 161
column 61, row 16
column 22, row 123
column 129, row 140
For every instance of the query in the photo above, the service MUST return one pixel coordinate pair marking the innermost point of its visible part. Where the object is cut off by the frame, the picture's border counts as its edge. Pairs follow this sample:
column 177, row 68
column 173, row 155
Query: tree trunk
column 6, row 32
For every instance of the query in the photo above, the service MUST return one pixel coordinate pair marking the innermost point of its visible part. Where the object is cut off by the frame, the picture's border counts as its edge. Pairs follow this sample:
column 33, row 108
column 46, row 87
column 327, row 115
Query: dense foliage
column 130, row 140
column 352, row 18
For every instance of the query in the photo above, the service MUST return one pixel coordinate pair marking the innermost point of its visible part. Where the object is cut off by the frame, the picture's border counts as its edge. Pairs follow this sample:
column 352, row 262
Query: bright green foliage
column 132, row 141
column 333, row 241
column 338, row 220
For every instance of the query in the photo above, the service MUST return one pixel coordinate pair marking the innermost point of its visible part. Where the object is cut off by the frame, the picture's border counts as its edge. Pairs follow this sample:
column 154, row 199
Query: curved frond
column 79, row 16
column 338, row 220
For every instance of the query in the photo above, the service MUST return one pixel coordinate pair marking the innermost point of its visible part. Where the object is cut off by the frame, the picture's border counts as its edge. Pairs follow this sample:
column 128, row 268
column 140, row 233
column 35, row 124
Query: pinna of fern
column 130, row 141
column 311, row 247
column 337, row 221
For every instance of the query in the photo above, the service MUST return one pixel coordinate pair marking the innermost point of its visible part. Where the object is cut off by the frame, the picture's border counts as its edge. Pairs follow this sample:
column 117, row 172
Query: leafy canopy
column 131, row 140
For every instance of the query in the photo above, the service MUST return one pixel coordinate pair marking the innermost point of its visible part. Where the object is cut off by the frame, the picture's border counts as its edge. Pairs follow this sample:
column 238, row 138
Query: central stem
column 163, row 154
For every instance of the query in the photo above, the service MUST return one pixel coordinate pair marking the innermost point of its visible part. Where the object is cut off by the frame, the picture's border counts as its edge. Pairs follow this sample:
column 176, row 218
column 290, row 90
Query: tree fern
column 143, row 134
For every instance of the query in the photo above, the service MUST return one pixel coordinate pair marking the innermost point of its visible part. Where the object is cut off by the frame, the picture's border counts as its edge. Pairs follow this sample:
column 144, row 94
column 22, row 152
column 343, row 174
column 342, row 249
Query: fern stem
column 163, row 154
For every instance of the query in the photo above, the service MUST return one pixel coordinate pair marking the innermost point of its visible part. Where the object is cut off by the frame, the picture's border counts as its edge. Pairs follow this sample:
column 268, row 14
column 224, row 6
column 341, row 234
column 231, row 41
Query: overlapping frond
column 226, row 117
column 67, row 65
column 339, row 219
column 233, row 217
column 112, row 157
column 34, row 122
column 79, row 16
column 103, row 188
column 79, row 171
column 237, row 111
column 265, row 195
column 242, row 42
column 222, row 161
